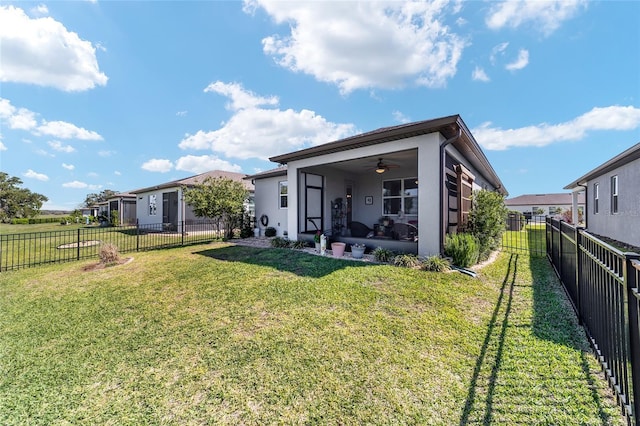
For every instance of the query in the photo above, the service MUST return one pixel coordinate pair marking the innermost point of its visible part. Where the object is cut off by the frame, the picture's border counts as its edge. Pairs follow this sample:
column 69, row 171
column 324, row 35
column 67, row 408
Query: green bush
column 436, row 264
column 487, row 221
column 270, row 232
column 462, row 248
column 382, row 255
column 300, row 244
column 280, row 242
column 407, row 260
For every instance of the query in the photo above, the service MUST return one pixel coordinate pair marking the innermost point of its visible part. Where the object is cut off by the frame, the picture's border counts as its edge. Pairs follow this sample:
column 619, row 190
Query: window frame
column 596, row 198
column 283, row 196
column 614, row 194
column 153, row 205
column 402, row 196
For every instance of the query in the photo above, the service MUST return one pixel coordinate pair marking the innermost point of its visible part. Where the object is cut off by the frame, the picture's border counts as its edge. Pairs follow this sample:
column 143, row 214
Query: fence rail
column 603, row 285
column 38, row 248
column 526, row 236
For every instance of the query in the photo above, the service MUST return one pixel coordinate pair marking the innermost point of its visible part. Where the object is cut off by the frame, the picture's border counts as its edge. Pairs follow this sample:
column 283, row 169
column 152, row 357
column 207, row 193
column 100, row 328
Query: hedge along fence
column 39, row 220
column 38, row 248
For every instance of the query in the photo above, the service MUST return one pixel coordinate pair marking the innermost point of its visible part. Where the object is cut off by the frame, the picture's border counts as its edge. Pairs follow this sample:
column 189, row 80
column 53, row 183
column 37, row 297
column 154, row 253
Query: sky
column 117, row 95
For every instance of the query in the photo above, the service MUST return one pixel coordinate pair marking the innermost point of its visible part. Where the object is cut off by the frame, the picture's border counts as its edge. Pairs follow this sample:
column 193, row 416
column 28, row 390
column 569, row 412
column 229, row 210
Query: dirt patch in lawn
column 82, row 244
column 98, row 266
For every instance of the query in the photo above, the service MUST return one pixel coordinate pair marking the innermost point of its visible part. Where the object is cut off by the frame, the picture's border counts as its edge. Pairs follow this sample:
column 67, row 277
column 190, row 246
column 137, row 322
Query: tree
column 218, row 198
column 16, row 202
column 487, row 220
column 93, row 199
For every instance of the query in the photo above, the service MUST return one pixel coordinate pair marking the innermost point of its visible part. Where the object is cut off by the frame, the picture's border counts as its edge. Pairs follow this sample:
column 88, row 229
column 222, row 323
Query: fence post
column 137, row 235
column 182, row 233
column 560, row 262
column 578, row 239
column 631, row 273
column 78, row 246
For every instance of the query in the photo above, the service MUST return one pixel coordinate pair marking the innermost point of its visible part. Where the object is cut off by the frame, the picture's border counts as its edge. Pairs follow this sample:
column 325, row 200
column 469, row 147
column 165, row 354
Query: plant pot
column 338, row 249
column 357, row 252
column 256, row 232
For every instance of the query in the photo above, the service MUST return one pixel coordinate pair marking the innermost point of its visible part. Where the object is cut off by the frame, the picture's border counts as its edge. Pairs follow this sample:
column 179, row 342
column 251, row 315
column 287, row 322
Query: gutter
column 443, row 145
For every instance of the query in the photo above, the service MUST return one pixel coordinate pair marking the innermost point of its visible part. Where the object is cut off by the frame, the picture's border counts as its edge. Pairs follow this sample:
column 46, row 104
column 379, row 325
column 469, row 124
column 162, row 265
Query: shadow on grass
column 286, row 260
column 498, row 324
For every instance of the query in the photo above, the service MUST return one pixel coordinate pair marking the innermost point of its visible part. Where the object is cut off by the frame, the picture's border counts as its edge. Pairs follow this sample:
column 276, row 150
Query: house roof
column 278, row 171
column 198, row 179
column 619, row 160
column 543, row 199
column 449, row 127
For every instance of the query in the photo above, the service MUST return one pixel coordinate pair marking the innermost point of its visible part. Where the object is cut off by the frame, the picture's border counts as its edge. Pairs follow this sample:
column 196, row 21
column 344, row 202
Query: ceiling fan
column 382, row 167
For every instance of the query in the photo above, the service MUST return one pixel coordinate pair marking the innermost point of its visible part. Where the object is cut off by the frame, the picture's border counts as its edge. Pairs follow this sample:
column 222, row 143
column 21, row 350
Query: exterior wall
column 623, row 226
column 142, row 206
column 267, row 202
column 547, row 209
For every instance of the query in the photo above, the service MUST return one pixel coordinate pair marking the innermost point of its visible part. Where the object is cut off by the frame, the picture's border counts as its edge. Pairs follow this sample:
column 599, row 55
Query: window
column 152, row 205
column 596, row 198
column 614, row 194
column 283, row 194
column 400, row 195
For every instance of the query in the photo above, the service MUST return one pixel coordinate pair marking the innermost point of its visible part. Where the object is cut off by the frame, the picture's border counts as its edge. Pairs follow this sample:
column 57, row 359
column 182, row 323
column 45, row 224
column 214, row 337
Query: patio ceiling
column 366, row 165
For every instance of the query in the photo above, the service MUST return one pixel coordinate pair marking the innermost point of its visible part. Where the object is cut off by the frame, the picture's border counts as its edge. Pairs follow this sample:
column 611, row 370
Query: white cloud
column 40, row 10
column 607, row 118
column 42, row 51
column 34, row 175
column 80, row 185
column 479, row 74
column 351, row 44
column 24, row 119
column 204, row 163
column 240, row 97
column 546, row 16
column 400, row 117
column 521, row 62
column 157, row 165
column 68, row 166
column 106, row 153
column 58, row 146
column 260, row 133
column 182, row 113
column 117, row 173
column 92, row 174
column 498, row 50
column 64, row 130
column 3, row 147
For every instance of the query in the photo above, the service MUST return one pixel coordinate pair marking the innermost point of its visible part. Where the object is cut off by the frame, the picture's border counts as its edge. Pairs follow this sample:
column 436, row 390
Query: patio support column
column 293, row 207
column 429, row 222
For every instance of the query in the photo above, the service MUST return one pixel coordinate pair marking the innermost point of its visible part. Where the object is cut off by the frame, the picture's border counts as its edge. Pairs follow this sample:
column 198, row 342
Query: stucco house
column 164, row 204
column 402, row 187
column 544, row 204
column 125, row 204
column 612, row 194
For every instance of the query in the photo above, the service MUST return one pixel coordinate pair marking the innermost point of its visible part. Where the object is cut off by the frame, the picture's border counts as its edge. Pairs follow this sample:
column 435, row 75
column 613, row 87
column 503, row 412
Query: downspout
column 586, row 206
column 443, row 145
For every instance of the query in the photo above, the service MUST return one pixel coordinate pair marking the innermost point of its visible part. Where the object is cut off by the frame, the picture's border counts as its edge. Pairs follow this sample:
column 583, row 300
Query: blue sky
column 123, row 95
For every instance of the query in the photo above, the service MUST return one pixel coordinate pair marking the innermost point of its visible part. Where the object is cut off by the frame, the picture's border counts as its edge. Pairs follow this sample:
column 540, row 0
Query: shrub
column 109, row 254
column 270, row 232
column 487, row 221
column 382, row 254
column 114, row 218
column 435, row 264
column 463, row 249
column 280, row 242
column 407, row 260
column 298, row 245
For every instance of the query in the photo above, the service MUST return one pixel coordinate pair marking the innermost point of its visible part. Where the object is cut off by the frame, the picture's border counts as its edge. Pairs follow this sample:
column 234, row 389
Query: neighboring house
column 612, row 193
column 125, row 204
column 89, row 211
column 405, row 186
column 544, row 204
column 164, row 203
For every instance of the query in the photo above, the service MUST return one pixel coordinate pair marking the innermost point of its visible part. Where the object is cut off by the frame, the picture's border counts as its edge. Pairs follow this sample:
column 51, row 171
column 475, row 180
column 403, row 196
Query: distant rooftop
column 543, row 199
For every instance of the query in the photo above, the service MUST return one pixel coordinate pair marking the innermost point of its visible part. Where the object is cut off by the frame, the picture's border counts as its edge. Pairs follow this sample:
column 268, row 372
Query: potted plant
column 357, row 250
column 316, row 240
column 337, row 249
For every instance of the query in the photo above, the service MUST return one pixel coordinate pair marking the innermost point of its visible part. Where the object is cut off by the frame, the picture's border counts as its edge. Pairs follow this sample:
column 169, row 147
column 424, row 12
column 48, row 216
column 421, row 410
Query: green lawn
column 221, row 334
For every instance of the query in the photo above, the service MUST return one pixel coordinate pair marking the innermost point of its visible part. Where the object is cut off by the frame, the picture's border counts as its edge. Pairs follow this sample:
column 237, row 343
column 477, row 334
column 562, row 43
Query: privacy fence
column 37, row 248
column 603, row 285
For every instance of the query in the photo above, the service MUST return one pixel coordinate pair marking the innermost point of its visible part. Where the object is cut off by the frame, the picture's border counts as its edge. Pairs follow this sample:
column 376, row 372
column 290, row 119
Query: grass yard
column 222, row 334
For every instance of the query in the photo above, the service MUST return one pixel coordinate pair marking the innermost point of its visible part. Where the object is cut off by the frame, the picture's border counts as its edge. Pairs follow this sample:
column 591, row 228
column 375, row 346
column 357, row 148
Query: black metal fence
column 525, row 235
column 603, row 285
column 37, row 248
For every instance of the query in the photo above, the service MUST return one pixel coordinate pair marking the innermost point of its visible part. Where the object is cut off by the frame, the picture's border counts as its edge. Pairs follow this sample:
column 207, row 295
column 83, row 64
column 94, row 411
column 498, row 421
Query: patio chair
column 405, row 231
column 360, row 230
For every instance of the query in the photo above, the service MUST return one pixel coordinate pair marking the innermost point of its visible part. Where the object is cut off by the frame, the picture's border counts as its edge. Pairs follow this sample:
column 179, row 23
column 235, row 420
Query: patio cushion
column 359, row 230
